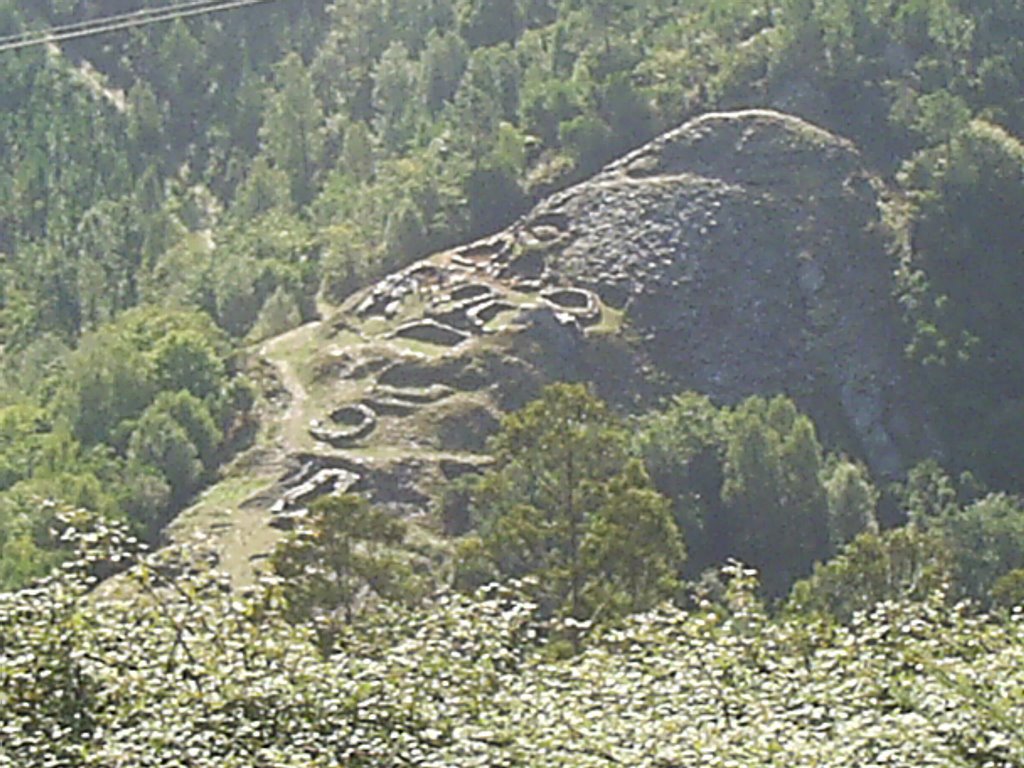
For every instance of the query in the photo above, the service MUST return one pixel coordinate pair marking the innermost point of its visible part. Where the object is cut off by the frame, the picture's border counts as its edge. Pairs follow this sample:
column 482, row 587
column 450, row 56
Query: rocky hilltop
column 742, row 253
column 748, row 251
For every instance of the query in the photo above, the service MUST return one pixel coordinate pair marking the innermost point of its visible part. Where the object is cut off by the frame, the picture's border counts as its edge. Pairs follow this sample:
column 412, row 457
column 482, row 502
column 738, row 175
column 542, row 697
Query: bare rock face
column 748, row 252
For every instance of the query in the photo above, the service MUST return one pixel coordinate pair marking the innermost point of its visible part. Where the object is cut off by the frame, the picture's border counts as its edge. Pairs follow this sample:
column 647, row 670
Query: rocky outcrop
column 742, row 253
column 748, row 252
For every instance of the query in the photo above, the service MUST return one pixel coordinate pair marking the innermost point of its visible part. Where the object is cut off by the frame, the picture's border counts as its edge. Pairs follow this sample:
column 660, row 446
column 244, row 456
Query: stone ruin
column 354, row 423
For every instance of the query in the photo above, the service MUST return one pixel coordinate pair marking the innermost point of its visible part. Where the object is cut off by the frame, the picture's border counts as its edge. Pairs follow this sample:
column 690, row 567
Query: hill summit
column 749, row 254
column 742, row 253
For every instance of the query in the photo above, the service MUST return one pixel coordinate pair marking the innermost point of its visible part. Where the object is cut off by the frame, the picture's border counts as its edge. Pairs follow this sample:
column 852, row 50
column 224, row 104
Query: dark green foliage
column 747, row 483
column 343, row 553
column 491, row 192
column 187, row 360
column 443, row 63
column 489, row 22
column 192, row 415
column 987, row 540
column 852, row 503
column 983, row 534
column 683, row 450
column 204, row 676
column 127, row 425
column 1008, row 591
column 874, row 568
column 633, row 551
column 962, row 290
column 565, row 508
column 265, row 189
column 587, row 139
column 928, row 494
column 108, row 380
column 292, row 129
column 774, row 501
column 403, row 236
column 159, row 441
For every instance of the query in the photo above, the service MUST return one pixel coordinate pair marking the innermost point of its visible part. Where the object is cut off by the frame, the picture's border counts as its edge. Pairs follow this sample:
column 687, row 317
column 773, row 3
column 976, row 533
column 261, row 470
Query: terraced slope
column 743, row 253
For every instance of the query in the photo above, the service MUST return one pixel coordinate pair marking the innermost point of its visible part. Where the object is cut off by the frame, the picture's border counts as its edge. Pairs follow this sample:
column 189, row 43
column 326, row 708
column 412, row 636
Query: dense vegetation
column 202, row 677
column 172, row 195
column 129, row 423
column 599, row 515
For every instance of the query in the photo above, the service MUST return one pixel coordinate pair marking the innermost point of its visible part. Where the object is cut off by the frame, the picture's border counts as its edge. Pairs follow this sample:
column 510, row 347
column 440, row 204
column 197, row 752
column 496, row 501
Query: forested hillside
column 177, row 196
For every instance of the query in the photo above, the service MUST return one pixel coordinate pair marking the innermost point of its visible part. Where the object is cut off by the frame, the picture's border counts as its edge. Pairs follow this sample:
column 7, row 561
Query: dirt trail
column 232, row 517
column 294, row 422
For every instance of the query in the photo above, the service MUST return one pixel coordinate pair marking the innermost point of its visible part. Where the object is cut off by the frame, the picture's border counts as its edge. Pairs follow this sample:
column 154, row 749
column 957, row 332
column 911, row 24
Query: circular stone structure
column 580, row 303
column 356, row 422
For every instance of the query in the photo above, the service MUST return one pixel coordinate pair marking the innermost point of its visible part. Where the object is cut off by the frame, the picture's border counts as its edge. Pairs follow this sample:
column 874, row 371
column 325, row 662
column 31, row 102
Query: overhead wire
column 28, row 34
column 104, row 27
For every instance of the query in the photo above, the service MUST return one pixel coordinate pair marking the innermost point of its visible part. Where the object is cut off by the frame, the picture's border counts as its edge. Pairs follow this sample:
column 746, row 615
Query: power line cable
column 131, row 24
column 103, row 21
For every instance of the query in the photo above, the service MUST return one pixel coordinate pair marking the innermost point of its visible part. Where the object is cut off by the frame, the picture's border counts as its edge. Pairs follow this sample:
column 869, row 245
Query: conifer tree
column 563, row 506
column 341, row 551
column 292, row 129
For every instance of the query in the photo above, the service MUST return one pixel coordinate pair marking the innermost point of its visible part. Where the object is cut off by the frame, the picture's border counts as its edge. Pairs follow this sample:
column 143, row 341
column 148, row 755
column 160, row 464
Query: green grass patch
column 419, row 347
column 501, row 321
column 377, row 326
column 611, row 321
column 218, row 502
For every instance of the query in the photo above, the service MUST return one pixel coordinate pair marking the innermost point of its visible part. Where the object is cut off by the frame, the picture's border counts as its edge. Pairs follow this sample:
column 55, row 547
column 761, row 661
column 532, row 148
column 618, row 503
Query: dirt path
column 294, row 423
column 232, row 517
